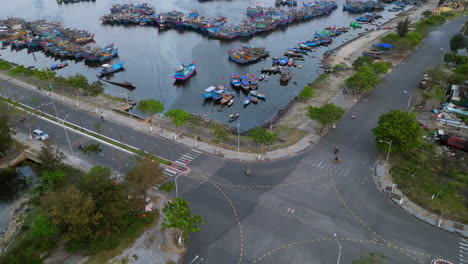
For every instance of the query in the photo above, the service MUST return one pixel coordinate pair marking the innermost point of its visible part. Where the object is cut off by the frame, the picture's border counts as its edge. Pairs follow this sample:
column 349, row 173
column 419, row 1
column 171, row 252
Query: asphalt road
column 290, row 209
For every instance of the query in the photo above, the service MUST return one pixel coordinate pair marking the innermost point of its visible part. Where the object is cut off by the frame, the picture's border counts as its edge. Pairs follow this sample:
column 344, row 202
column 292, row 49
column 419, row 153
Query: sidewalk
column 138, row 123
column 386, row 185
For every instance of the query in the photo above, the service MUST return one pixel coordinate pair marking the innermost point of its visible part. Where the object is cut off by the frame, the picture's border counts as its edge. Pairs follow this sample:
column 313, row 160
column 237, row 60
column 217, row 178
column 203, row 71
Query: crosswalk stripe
column 181, row 163
column 195, row 151
column 464, row 244
column 464, row 247
column 170, row 171
column 187, row 157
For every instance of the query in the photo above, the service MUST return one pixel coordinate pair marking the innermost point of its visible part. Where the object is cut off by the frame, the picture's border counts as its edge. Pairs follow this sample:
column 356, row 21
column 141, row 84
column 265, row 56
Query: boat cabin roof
column 209, row 89
column 106, row 65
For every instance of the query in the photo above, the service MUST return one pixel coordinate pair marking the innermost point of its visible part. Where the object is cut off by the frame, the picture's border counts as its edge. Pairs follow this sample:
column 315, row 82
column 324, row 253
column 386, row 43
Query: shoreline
column 305, row 130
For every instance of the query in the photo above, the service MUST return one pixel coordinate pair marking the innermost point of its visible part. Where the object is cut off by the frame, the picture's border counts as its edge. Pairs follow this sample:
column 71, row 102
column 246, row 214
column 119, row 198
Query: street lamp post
column 443, row 56
column 389, row 148
column 66, row 134
column 176, row 189
column 169, row 154
column 409, row 100
column 339, row 248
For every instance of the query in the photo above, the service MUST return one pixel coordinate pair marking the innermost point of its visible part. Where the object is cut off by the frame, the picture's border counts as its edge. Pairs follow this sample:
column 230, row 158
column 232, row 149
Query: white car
column 39, row 134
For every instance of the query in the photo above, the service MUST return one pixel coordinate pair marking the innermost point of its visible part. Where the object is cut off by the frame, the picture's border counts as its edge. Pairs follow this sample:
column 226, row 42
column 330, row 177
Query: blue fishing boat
column 245, row 84
column 235, row 80
column 209, row 92
column 247, row 100
column 185, row 71
column 58, row 66
column 257, row 94
column 109, row 68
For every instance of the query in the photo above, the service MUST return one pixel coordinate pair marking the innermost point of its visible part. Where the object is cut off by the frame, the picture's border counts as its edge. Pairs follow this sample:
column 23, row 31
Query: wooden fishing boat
column 209, row 92
column 58, row 66
column 233, row 118
column 230, row 102
column 235, row 80
column 226, row 98
column 185, row 71
column 257, row 94
column 254, row 99
column 247, row 100
column 245, row 84
column 127, row 85
column 109, row 68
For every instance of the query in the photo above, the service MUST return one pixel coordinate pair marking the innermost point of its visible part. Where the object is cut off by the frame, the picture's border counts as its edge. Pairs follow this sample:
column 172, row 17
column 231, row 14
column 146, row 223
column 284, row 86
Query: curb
column 393, row 194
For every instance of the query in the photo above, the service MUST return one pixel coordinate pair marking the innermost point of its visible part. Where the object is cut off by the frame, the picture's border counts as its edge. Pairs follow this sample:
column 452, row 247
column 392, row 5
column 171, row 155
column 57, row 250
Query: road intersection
column 290, row 209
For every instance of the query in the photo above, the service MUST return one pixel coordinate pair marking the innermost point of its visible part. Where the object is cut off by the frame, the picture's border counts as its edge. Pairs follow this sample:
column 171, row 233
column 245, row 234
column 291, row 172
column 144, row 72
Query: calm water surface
column 151, row 55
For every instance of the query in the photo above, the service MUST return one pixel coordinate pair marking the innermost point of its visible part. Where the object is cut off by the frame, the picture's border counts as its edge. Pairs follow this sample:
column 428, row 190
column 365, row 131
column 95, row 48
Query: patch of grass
column 320, row 79
column 420, row 174
column 113, row 98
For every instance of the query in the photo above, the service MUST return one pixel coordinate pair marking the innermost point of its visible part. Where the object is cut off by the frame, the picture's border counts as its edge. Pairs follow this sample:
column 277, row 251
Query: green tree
column 179, row 116
column 462, row 69
column 110, row 199
column 306, row 93
column 458, row 42
column 71, row 210
column 4, row 65
column 455, row 59
column 93, row 89
column 372, row 258
column 363, row 80
column 167, row 186
column 150, row 107
column 380, row 67
column 43, row 233
column 326, row 114
column 6, row 131
column 92, row 148
column 399, row 128
column 403, row 27
column 178, row 215
column 144, row 176
column 436, row 76
column 362, row 61
column 427, row 13
column 51, row 158
column 262, row 136
column 51, row 180
column 390, row 38
column 415, row 38
column 77, row 81
column 404, row 45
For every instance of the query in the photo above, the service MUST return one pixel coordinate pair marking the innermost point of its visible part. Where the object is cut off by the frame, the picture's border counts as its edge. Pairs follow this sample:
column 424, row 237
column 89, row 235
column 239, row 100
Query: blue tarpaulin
column 384, row 45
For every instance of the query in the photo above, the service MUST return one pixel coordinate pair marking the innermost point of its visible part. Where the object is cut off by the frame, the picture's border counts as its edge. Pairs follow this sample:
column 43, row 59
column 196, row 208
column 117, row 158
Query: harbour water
column 151, row 55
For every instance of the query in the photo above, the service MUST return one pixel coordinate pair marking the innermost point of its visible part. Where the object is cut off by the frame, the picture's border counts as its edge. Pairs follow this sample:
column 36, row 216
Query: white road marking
column 195, row 151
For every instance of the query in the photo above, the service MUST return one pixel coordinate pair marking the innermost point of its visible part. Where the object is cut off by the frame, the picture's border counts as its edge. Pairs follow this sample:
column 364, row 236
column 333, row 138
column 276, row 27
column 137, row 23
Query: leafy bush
column 462, row 69
column 380, row 67
column 261, row 135
column 179, row 116
column 414, row 38
column 167, row 186
column 390, row 38
column 4, row 65
column 307, row 92
column 362, row 61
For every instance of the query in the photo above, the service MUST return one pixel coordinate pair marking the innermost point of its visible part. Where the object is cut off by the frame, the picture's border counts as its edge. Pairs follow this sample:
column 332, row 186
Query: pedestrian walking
column 102, row 118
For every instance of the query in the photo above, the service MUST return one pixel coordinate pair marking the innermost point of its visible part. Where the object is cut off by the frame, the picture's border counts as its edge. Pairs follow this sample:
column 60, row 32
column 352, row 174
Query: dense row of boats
column 262, row 19
column 52, row 38
column 361, row 6
column 247, row 54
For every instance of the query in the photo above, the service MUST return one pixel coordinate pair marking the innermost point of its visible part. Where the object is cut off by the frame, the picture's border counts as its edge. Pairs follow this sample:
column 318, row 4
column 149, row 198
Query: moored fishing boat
column 209, row 92
column 245, row 84
column 226, row 98
column 58, row 66
column 230, row 102
column 235, row 80
column 257, row 94
column 185, row 71
column 109, row 68
column 233, row 118
column 247, row 100
column 254, row 99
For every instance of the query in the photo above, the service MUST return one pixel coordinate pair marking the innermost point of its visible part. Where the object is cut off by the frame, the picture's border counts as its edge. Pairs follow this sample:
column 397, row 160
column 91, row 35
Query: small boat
column 253, row 82
column 185, row 71
column 254, row 99
column 58, row 66
column 109, row 68
column 209, row 92
column 127, row 85
column 257, row 94
column 245, row 84
column 226, row 98
column 235, row 80
column 286, row 75
column 247, row 100
column 230, row 102
column 355, row 25
column 290, row 62
column 233, row 118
